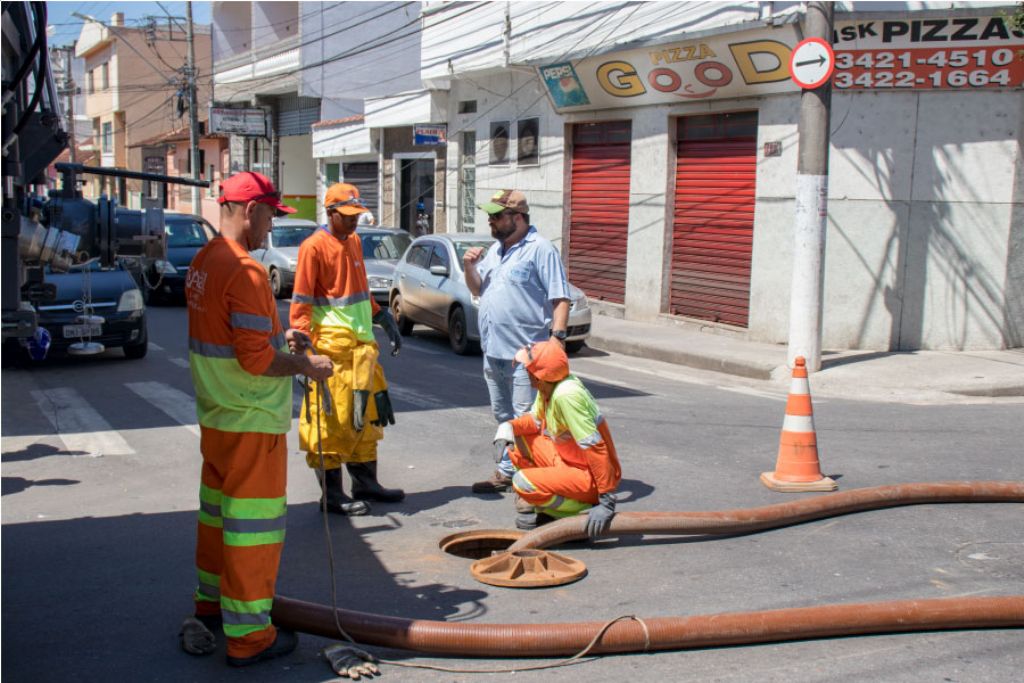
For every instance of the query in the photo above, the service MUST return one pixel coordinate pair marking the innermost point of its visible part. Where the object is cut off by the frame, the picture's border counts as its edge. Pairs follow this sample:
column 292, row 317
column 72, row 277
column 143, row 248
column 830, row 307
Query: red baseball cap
column 252, row 187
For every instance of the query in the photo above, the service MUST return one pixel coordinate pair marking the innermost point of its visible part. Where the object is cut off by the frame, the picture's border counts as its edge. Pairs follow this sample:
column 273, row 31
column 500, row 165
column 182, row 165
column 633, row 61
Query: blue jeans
column 511, row 396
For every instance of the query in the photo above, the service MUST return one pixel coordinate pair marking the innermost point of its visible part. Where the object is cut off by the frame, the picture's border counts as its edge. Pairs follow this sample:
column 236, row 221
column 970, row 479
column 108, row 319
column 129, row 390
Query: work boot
column 526, row 514
column 365, row 485
column 496, row 484
column 337, row 501
column 284, row 643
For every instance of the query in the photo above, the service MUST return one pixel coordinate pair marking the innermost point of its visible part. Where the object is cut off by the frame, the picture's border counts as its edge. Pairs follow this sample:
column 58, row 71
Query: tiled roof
column 335, row 122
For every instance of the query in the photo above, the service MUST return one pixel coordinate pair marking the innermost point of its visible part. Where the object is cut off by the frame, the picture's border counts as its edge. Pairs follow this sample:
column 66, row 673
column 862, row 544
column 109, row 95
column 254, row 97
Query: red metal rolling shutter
column 599, row 209
column 713, row 226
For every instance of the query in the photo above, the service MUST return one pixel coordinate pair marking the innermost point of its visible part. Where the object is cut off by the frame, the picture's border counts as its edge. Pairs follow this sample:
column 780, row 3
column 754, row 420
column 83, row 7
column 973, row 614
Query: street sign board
column 238, row 121
column 430, row 134
column 812, row 63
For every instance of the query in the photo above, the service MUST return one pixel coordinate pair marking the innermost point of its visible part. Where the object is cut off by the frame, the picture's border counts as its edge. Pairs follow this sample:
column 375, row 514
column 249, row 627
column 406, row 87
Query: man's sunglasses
column 355, row 201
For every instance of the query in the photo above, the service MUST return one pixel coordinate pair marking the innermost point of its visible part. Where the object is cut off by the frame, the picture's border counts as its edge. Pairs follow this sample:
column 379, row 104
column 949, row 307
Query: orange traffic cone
column 796, row 468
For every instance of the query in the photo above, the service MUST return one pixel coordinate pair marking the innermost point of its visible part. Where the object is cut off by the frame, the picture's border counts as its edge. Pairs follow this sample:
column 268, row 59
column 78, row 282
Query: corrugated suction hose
column 670, row 633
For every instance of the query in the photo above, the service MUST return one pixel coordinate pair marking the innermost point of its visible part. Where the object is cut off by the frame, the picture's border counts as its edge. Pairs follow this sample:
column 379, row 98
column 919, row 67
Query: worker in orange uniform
column 331, row 303
column 242, row 375
column 563, row 451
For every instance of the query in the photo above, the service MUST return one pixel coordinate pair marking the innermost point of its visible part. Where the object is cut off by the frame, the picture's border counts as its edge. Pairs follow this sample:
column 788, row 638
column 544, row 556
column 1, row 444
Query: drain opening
column 480, row 543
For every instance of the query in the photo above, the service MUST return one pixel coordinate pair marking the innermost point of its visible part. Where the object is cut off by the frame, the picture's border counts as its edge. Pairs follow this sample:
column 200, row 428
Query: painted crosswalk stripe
column 155, row 346
column 79, row 426
column 180, row 362
column 175, row 403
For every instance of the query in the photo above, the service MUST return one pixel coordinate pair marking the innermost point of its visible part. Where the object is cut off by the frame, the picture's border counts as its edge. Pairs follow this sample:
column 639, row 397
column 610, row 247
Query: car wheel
column 403, row 321
column 457, row 333
column 574, row 346
column 138, row 350
column 275, row 283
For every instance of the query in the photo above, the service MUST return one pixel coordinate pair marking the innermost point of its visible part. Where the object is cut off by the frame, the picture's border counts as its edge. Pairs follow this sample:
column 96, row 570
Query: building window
column 108, row 137
column 210, row 191
column 332, row 174
column 202, row 161
column 104, row 76
column 91, row 82
column 467, row 106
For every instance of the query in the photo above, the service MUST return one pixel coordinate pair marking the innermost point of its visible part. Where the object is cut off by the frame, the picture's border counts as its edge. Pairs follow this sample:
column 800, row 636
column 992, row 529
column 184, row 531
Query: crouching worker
column 331, row 303
column 562, row 449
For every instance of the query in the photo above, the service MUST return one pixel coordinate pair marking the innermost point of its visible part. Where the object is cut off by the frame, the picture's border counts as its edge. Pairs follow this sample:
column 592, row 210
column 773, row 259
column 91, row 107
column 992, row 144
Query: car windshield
column 462, row 247
column 185, row 234
column 292, row 235
column 385, row 247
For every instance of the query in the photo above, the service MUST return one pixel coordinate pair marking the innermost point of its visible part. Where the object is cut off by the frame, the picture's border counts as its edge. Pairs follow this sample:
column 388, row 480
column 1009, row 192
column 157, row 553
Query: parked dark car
column 382, row 247
column 280, row 252
column 430, row 289
column 115, row 297
column 164, row 281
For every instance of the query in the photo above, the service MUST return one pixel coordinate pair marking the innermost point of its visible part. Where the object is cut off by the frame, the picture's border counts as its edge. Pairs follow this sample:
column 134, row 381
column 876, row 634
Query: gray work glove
column 359, row 399
column 351, row 662
column 599, row 518
column 387, row 322
column 503, row 438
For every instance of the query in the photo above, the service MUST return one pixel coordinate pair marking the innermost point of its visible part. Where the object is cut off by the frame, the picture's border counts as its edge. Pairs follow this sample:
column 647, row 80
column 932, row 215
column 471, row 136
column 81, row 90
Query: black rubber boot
column 365, row 485
column 337, row 501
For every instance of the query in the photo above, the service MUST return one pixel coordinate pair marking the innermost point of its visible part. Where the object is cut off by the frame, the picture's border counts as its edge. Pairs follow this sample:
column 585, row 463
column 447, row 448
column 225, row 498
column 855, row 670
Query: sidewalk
column 908, row 376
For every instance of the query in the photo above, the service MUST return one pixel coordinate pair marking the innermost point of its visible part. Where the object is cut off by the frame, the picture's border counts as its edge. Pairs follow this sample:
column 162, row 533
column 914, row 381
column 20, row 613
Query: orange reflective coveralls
column 233, row 331
column 564, row 452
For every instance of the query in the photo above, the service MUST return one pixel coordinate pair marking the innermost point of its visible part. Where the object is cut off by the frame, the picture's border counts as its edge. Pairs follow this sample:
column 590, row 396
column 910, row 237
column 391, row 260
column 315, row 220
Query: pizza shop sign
column 757, row 63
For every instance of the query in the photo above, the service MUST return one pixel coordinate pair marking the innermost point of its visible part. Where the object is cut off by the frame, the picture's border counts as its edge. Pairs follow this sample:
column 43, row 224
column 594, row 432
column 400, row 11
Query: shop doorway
column 416, row 196
column 713, row 224
column 599, row 209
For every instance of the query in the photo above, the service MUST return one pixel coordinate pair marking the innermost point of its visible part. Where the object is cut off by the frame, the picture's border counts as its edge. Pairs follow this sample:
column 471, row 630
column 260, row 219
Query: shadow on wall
column 946, row 294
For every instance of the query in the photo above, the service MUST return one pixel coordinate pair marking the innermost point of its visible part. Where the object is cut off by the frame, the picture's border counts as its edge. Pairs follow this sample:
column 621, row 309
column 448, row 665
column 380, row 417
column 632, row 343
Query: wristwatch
column 560, row 335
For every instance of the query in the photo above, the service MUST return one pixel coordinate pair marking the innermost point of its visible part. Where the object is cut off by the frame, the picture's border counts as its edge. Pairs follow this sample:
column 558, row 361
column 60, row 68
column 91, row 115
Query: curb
column 732, row 366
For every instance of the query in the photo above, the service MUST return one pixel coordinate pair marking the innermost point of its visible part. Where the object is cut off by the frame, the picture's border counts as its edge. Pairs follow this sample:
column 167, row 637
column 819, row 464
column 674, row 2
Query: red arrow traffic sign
column 812, row 63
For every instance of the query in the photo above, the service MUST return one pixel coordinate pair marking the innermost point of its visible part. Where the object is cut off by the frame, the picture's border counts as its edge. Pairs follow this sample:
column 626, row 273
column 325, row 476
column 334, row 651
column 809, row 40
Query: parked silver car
column 382, row 247
column 430, row 289
column 280, row 252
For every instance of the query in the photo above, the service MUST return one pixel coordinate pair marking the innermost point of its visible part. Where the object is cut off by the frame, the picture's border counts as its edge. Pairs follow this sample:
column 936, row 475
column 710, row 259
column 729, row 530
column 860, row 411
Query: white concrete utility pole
column 811, row 205
column 193, row 128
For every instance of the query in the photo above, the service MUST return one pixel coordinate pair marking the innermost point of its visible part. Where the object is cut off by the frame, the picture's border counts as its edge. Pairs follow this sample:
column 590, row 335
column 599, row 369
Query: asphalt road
column 100, row 473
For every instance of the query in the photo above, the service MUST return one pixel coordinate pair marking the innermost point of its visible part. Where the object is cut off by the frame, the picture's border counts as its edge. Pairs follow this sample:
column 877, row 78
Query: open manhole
column 479, row 543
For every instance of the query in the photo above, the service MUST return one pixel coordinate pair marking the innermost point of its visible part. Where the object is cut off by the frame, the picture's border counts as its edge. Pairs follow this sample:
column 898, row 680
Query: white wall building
column 664, row 159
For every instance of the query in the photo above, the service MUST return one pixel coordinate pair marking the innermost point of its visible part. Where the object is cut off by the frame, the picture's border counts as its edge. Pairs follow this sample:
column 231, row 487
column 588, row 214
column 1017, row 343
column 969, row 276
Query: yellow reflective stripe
column 242, row 617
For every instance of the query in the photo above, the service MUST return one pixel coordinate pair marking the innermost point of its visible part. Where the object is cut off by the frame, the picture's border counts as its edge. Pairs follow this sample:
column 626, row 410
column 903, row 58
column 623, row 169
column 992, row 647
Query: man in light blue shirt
column 524, row 299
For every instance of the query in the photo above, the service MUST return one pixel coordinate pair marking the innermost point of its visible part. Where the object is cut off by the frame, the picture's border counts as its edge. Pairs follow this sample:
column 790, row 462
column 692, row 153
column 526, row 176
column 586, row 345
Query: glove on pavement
column 387, row 322
column 351, row 662
column 599, row 518
column 503, row 438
